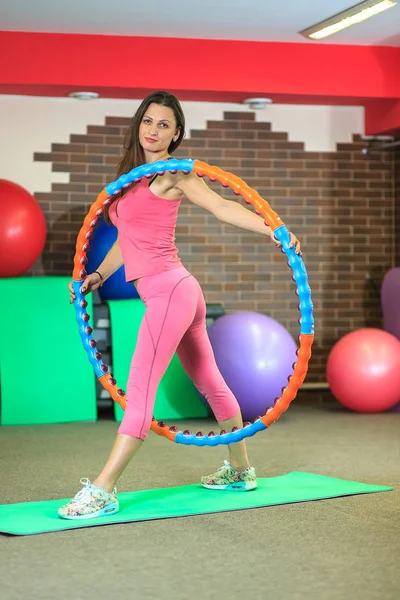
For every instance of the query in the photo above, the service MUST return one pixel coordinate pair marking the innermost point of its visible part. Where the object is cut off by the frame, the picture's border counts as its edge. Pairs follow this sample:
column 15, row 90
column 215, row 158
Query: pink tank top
column 146, row 226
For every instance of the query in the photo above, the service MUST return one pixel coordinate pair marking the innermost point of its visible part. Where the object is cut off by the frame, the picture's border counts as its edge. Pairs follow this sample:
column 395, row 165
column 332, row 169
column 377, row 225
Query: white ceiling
column 263, row 20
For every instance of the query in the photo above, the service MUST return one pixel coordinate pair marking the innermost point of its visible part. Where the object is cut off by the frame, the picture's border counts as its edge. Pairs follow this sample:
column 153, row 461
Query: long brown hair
column 134, row 155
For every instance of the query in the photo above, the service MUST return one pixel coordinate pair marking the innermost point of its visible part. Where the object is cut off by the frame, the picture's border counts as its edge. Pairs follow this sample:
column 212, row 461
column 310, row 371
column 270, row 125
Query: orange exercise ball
column 22, row 230
column 363, row 370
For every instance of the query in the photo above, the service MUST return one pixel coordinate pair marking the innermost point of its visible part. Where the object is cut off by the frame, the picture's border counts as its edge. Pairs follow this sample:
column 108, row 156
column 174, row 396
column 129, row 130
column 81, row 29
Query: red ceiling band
column 213, row 70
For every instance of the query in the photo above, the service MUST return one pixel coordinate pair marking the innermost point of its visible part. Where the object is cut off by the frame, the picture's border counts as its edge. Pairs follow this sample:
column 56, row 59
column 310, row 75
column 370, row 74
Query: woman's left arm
column 198, row 192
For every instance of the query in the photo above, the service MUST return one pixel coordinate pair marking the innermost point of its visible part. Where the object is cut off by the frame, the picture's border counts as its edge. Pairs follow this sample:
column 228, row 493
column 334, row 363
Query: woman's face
column 158, row 128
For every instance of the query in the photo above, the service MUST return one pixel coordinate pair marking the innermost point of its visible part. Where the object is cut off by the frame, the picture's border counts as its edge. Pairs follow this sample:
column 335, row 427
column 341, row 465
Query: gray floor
column 347, row 548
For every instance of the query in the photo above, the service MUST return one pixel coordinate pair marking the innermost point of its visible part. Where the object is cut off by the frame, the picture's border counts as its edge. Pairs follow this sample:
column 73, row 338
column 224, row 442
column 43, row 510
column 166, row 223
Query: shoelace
column 86, row 491
column 225, row 466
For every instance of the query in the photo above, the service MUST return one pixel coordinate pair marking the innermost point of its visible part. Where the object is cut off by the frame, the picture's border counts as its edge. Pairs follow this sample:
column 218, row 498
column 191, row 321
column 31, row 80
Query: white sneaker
column 90, row 502
column 227, row 478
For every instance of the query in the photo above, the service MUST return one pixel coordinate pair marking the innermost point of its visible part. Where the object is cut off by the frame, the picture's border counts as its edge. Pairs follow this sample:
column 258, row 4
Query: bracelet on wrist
column 99, row 274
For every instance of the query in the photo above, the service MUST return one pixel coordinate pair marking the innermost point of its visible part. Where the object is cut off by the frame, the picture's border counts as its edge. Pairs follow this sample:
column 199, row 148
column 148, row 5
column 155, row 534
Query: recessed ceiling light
column 352, row 16
column 84, row 95
column 257, row 103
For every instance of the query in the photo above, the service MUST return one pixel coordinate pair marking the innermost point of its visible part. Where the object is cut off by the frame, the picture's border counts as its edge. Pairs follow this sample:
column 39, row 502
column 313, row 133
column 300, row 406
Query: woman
column 145, row 217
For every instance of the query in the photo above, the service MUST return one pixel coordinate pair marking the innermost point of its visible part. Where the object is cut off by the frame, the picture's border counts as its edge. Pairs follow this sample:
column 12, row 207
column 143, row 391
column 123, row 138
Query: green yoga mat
column 177, row 397
column 45, row 375
column 29, row 518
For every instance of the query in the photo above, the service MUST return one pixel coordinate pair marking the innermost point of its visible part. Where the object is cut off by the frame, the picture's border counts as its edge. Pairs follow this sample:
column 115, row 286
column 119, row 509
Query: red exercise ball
column 22, row 230
column 363, row 370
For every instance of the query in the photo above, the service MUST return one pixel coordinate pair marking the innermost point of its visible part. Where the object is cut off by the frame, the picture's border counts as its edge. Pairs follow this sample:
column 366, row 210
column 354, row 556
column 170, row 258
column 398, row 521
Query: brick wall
column 339, row 204
column 396, row 159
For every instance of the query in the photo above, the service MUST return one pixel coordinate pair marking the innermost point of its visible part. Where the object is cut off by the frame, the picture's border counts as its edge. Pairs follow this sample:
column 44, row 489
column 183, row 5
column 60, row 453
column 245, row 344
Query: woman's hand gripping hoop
column 295, row 262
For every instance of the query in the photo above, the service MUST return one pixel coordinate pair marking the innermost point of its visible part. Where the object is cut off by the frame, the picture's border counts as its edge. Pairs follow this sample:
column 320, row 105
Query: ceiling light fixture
column 257, row 103
column 352, row 16
column 84, row 95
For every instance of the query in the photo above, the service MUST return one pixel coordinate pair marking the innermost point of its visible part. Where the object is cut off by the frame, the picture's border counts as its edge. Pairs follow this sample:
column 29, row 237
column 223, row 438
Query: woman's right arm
column 111, row 263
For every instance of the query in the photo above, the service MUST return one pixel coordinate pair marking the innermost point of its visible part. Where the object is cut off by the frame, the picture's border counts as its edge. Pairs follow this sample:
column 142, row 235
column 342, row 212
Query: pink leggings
column 174, row 321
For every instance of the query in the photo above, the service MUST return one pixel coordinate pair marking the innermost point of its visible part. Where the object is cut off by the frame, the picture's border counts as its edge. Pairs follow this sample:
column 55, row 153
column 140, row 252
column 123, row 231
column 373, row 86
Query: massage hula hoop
column 299, row 276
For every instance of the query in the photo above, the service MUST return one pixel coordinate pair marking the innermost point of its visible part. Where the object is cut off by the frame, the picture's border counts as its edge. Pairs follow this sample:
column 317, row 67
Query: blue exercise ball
column 115, row 288
column 255, row 355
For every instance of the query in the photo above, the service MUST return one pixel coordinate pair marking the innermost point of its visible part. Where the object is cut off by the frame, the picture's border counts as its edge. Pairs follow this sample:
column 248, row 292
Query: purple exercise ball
column 255, row 355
